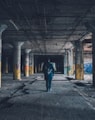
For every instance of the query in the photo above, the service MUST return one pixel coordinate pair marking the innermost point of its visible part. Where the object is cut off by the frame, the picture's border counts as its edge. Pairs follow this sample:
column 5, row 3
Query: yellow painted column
column 31, row 64
column 2, row 28
column 79, row 72
column 26, row 64
column 17, row 61
column 79, row 66
column 26, row 70
column 31, row 70
column 71, row 61
column 17, row 72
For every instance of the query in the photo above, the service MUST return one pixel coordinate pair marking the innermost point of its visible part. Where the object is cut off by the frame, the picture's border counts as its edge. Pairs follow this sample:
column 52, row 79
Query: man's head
column 48, row 60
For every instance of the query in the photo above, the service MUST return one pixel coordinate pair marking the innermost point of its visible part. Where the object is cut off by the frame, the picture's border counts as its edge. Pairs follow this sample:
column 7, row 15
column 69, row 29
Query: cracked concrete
column 28, row 100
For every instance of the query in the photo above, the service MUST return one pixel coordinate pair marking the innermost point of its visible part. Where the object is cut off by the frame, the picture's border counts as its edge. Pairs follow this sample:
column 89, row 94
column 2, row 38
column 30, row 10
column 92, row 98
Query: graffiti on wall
column 88, row 68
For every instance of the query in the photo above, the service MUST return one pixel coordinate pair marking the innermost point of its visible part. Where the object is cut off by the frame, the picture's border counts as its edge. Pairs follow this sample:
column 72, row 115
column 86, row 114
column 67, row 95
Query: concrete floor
column 28, row 100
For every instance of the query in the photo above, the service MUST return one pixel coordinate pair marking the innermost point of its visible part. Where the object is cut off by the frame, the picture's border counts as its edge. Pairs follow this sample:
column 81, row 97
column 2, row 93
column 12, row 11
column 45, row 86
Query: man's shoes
column 49, row 90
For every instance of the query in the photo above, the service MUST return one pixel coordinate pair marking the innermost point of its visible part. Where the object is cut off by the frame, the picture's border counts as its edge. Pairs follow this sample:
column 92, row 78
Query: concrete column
column 26, row 64
column 6, row 65
column 93, row 57
column 69, row 62
column 2, row 28
column 91, row 27
column 71, row 66
column 31, row 64
column 79, row 69
column 17, row 61
column 66, row 62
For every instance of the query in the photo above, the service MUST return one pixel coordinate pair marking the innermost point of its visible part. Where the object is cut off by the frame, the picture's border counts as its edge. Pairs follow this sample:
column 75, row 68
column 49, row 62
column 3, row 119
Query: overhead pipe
column 12, row 22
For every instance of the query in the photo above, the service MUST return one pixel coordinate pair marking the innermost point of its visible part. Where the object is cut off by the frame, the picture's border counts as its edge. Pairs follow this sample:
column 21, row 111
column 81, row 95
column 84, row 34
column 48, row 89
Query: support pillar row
column 17, row 61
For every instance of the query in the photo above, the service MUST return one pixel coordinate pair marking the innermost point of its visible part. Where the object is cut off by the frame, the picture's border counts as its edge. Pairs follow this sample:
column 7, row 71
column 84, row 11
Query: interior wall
column 57, row 61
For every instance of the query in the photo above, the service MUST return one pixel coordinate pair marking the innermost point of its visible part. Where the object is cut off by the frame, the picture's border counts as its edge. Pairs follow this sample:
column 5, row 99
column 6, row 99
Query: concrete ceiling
column 46, row 26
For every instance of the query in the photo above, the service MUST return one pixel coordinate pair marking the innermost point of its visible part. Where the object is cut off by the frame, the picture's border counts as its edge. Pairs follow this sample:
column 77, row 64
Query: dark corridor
column 57, row 61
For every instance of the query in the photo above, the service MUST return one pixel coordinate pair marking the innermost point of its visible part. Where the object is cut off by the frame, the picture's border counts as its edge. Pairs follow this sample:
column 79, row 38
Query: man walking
column 48, row 71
